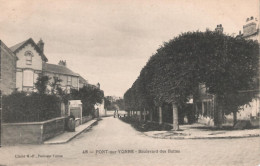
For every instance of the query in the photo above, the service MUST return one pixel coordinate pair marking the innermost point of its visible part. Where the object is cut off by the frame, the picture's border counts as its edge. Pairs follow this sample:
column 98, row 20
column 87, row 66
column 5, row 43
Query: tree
column 41, row 84
column 226, row 65
column 89, row 96
column 107, row 102
column 55, row 86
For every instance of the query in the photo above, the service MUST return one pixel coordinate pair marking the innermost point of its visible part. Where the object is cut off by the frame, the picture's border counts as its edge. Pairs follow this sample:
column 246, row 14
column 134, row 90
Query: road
column 105, row 143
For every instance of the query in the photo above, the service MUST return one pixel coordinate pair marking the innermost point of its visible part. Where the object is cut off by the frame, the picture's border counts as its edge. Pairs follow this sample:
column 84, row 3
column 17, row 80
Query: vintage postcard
column 129, row 82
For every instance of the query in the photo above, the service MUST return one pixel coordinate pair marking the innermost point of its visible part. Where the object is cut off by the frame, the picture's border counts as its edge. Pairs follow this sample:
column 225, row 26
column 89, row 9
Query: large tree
column 226, row 65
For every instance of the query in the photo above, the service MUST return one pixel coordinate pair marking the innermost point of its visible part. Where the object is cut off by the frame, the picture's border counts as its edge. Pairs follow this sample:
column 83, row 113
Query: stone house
column 7, row 69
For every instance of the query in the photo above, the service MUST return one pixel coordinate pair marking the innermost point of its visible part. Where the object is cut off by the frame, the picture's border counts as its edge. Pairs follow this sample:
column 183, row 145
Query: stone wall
column 85, row 119
column 33, row 132
column 7, row 69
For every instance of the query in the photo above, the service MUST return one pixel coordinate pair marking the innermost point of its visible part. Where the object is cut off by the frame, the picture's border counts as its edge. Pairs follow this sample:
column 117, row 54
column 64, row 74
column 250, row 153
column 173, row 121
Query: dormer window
column 28, row 55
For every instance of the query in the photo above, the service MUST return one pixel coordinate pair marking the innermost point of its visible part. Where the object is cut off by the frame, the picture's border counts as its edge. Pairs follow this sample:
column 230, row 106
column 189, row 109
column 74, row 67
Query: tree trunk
column 219, row 116
column 234, row 118
column 160, row 115
column 144, row 115
column 218, row 112
column 151, row 115
column 175, row 117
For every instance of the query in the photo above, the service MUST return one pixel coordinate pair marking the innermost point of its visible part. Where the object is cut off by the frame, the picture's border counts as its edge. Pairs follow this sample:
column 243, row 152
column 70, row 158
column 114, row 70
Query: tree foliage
column 89, row 96
column 225, row 64
column 41, row 84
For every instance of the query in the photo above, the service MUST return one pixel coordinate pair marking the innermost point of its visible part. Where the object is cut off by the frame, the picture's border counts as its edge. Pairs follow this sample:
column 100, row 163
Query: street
column 113, row 142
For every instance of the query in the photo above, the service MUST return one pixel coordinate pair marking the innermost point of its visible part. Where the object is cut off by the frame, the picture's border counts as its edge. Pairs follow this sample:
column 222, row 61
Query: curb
column 205, row 137
column 63, row 142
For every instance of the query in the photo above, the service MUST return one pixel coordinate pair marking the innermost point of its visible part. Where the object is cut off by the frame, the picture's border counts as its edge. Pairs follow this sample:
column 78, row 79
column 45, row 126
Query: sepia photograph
column 129, row 83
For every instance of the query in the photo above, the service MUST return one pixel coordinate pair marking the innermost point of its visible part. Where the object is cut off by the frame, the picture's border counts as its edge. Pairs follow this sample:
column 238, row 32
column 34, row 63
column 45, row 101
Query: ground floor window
column 28, row 78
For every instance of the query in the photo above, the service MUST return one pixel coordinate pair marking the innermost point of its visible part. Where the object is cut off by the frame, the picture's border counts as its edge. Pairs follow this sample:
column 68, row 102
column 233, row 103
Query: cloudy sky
column 109, row 41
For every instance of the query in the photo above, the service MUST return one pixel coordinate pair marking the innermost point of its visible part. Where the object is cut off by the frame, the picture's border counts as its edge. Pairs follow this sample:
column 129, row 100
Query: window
column 56, row 79
column 69, row 80
column 28, row 55
column 28, row 78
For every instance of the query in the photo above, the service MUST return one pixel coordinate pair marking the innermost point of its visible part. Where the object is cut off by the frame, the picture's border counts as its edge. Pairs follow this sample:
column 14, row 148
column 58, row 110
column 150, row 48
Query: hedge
column 20, row 107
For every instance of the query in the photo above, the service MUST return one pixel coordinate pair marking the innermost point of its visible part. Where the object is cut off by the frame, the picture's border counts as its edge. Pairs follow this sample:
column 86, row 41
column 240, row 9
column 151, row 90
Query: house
column 82, row 82
column 252, row 111
column 7, row 69
column 32, row 62
column 29, row 64
column 69, row 79
column 204, row 106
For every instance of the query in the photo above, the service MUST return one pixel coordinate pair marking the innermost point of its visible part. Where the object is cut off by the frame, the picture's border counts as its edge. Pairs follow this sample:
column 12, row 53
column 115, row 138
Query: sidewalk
column 67, row 136
column 199, row 131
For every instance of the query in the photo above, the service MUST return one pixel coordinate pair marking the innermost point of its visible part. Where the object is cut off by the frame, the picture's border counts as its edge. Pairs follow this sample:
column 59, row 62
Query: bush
column 145, row 126
column 20, row 107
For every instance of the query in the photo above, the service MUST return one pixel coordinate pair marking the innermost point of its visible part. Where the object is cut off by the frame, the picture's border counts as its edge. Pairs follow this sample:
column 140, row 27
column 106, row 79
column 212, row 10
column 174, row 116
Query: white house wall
column 36, row 59
column 74, row 81
column 19, row 80
column 27, row 74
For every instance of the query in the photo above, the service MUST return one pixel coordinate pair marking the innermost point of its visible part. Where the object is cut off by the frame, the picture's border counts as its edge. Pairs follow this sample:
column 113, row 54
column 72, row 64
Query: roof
column 21, row 45
column 52, row 68
column 82, row 80
column 2, row 45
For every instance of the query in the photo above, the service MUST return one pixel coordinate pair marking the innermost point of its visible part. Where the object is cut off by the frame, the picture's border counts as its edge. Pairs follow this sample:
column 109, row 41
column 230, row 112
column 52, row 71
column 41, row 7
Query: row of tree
column 117, row 104
column 225, row 65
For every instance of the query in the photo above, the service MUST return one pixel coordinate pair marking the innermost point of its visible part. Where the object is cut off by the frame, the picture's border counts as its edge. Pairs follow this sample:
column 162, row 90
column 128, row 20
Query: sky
column 110, row 41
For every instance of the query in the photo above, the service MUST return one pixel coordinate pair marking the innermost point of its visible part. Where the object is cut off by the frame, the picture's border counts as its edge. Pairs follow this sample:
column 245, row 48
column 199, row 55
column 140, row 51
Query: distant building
column 219, row 28
column 251, row 29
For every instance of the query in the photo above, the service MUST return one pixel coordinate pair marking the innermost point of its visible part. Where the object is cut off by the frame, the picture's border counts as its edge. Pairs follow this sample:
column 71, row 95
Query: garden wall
column 31, row 132
column 86, row 118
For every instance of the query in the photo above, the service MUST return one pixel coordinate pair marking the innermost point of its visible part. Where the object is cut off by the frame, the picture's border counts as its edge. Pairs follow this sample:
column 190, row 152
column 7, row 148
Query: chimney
column 219, row 28
column 62, row 63
column 250, row 27
column 40, row 44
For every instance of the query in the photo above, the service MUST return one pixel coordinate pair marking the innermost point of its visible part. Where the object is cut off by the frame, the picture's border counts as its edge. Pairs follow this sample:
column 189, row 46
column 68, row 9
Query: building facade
column 7, row 69
column 32, row 62
column 69, row 79
column 251, row 32
column 29, row 64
